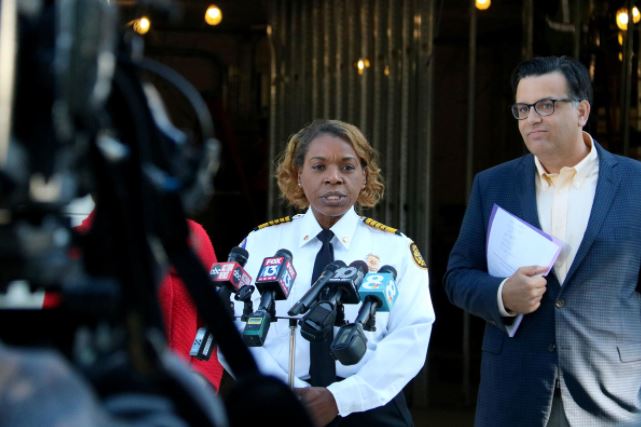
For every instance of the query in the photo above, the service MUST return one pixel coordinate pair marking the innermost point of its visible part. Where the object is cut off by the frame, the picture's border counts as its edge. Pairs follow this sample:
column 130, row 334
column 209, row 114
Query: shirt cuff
column 499, row 301
column 298, row 383
column 351, row 396
column 346, row 396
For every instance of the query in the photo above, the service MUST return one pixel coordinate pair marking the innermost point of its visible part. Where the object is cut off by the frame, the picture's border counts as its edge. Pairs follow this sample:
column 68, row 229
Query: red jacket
column 180, row 316
column 181, row 319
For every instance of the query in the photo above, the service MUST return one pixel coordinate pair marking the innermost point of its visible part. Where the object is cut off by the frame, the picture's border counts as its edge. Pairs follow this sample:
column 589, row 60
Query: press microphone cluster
column 340, row 288
column 378, row 292
column 274, row 281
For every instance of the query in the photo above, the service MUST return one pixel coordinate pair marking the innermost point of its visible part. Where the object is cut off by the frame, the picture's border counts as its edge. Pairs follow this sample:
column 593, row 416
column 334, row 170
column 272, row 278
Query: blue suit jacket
column 586, row 333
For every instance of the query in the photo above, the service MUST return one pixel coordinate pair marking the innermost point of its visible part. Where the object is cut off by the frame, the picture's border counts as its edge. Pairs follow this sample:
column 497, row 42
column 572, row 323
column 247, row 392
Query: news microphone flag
column 276, row 274
column 231, row 274
column 347, row 280
column 380, row 286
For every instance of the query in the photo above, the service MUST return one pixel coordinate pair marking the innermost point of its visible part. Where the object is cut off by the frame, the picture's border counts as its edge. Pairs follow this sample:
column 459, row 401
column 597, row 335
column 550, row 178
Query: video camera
column 78, row 117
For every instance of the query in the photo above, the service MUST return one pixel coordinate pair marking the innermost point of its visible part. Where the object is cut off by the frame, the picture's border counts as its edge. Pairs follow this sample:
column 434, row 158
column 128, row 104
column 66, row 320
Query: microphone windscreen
column 360, row 265
column 239, row 255
column 285, row 253
column 335, row 265
column 388, row 269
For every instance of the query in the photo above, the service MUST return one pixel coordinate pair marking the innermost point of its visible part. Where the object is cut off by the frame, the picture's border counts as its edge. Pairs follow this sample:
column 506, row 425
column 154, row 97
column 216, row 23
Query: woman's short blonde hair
column 293, row 158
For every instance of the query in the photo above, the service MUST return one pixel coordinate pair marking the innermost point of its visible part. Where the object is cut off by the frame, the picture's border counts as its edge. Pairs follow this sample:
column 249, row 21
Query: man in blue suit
column 575, row 358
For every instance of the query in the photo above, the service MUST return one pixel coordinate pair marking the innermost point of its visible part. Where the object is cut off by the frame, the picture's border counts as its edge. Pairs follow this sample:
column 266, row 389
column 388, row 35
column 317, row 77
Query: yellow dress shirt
column 564, row 202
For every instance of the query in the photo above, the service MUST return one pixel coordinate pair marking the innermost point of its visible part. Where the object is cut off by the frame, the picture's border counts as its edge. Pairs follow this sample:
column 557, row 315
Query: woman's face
column 331, row 178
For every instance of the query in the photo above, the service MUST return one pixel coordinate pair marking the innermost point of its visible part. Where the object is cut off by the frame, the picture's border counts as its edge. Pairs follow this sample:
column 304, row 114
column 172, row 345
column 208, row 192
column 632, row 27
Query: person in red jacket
column 180, row 316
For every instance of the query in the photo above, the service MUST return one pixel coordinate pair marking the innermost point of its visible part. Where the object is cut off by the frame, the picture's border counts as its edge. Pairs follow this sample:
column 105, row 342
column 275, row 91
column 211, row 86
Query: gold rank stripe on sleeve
column 379, row 226
column 274, row 222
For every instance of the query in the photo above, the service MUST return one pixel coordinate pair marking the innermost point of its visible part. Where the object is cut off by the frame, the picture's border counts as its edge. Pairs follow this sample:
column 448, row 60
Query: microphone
column 229, row 277
column 312, row 294
column 341, row 288
column 275, row 278
column 378, row 293
column 276, row 275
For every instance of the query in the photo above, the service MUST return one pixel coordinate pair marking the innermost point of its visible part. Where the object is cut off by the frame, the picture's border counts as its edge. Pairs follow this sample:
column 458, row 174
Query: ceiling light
column 622, row 17
column 213, row 15
column 142, row 25
column 483, row 4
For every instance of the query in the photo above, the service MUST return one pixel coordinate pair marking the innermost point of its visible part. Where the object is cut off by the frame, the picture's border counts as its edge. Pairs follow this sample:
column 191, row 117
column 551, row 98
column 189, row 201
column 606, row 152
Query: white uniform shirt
column 396, row 351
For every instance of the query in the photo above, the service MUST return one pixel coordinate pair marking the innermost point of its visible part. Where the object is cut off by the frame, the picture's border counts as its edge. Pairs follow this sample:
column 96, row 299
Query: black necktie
column 322, row 368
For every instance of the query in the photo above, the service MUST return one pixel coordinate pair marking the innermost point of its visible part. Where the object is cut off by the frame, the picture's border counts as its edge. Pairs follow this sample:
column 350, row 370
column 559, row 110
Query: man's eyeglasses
column 543, row 107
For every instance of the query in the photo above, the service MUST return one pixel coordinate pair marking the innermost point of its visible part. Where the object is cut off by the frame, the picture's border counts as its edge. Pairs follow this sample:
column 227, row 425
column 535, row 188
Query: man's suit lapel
column 527, row 192
column 606, row 188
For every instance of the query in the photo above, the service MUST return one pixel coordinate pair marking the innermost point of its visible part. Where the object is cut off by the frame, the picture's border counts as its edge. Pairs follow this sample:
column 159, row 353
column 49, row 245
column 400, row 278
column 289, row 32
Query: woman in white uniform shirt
column 327, row 168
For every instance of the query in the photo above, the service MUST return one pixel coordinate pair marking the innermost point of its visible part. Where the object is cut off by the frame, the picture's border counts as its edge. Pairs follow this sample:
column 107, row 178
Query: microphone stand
column 293, row 321
column 292, row 349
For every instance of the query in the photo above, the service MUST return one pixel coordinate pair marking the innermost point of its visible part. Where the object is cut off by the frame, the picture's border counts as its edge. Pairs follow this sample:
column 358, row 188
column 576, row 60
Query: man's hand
column 522, row 292
column 320, row 404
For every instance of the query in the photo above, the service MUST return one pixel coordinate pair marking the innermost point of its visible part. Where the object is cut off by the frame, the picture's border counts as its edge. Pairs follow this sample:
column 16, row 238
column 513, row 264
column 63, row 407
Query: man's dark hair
column 575, row 73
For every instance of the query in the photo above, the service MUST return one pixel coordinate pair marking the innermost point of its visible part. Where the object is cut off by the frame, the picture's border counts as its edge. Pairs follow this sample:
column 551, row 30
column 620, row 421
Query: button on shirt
column 395, row 351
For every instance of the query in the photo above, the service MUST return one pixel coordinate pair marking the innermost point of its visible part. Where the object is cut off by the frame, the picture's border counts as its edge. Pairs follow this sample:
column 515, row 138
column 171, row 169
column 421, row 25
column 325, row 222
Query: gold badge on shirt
column 417, row 257
column 373, row 262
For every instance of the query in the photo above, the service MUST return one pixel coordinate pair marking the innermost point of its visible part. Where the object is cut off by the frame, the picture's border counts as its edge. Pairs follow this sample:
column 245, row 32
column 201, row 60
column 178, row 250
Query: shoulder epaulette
column 379, row 226
column 276, row 221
